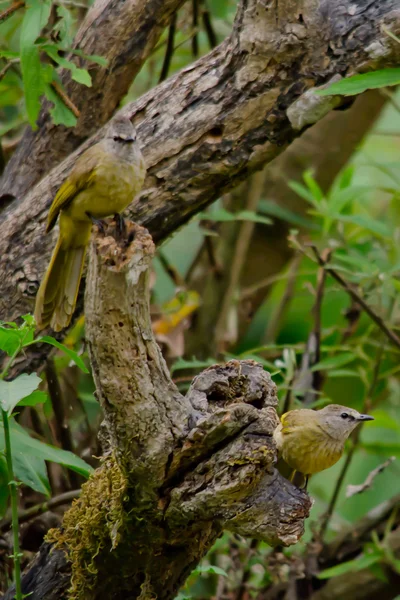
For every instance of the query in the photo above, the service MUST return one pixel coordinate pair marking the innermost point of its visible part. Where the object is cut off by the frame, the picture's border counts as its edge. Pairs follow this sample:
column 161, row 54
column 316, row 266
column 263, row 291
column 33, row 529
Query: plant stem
column 14, row 506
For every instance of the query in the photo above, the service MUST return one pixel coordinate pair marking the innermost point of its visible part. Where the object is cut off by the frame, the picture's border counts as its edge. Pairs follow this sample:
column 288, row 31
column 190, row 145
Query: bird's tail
column 56, row 297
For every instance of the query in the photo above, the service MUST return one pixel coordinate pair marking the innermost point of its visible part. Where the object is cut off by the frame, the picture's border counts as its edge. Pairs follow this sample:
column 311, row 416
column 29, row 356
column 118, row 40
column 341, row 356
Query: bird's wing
column 288, row 422
column 81, row 177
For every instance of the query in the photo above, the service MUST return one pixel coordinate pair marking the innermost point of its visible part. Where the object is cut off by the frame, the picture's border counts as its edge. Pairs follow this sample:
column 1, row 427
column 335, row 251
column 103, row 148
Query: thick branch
column 122, row 32
column 177, row 470
column 211, row 125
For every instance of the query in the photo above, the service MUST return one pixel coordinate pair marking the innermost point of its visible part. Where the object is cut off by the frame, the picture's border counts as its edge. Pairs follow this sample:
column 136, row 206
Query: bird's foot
column 98, row 222
column 120, row 226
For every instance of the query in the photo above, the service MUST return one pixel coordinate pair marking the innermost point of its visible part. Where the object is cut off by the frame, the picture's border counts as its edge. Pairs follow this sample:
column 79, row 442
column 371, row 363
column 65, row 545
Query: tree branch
column 124, row 33
column 221, row 119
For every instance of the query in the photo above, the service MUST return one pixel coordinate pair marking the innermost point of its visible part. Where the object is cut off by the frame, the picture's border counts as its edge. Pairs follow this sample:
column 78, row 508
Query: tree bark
column 124, row 33
column 177, row 470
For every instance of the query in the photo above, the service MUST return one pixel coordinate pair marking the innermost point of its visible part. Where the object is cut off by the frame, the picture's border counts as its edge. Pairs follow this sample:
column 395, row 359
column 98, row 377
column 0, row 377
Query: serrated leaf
column 47, row 339
column 77, row 74
column 100, row 60
column 60, row 113
column 360, row 83
column 10, row 340
column 35, row 18
column 11, row 392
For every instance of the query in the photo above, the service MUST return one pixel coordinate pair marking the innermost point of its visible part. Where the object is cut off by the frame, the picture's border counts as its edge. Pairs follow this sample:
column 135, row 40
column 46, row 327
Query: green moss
column 92, row 524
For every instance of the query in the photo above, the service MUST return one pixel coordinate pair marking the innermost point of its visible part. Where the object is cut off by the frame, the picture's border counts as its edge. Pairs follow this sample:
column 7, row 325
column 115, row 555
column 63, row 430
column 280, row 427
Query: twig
column 240, row 252
column 352, row 490
column 246, row 571
column 195, row 23
column 171, row 270
column 169, row 50
column 11, row 10
column 356, row 296
column 208, row 26
column 7, row 66
column 38, row 509
column 313, row 352
column 278, row 314
column 67, row 101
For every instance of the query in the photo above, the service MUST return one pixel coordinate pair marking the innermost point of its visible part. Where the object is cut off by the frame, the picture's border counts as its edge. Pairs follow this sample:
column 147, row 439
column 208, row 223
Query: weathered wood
column 177, row 470
column 124, row 33
column 208, row 127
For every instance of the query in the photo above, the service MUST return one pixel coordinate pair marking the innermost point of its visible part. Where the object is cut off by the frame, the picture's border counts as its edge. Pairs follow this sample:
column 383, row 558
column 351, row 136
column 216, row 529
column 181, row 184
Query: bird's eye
column 344, row 416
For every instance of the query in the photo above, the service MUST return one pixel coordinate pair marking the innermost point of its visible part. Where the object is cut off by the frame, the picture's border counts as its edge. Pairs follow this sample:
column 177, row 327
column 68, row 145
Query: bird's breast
column 114, row 186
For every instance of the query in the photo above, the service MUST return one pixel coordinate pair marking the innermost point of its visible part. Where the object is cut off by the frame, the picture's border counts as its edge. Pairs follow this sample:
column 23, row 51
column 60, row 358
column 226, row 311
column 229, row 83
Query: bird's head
column 339, row 421
column 121, row 131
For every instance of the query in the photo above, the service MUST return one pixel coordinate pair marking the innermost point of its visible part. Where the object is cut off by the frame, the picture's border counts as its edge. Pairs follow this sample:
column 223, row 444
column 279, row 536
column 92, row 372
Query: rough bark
column 217, row 121
column 177, row 470
column 122, row 32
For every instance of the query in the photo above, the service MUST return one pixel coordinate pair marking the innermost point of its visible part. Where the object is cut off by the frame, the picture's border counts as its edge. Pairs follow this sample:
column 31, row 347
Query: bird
column 310, row 441
column 102, row 183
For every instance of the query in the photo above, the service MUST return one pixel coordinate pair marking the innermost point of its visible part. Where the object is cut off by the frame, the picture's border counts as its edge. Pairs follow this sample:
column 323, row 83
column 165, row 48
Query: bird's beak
column 365, row 418
column 127, row 138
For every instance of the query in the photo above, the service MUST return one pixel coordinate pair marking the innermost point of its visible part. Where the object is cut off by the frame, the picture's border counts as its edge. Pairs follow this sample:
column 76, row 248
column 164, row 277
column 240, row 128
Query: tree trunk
column 177, row 470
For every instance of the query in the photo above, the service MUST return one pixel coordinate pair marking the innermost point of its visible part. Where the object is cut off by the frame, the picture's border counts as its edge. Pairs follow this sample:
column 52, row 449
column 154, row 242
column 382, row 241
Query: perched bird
column 104, row 180
column 310, row 441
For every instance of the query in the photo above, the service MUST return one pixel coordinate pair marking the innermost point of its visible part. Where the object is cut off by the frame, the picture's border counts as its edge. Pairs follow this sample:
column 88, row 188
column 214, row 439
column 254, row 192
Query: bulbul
column 104, row 180
column 310, row 441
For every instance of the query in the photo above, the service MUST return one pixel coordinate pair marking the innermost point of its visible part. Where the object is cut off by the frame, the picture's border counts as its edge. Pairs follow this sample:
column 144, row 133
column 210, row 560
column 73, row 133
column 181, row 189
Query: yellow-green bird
column 104, row 180
column 310, row 441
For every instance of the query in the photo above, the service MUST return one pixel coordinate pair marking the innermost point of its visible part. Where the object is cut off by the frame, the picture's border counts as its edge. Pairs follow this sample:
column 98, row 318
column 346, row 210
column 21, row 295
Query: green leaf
column 21, row 442
column 248, row 215
column 359, row 83
column 77, row 74
column 35, row 18
column 343, row 373
column 270, row 207
column 181, row 364
column 366, row 222
column 334, row 361
column 36, row 397
column 47, row 339
column 386, row 449
column 11, row 392
column 363, row 562
column 60, row 113
column 32, row 471
column 313, row 186
column 223, row 215
column 100, row 60
column 303, row 192
column 209, row 569
column 10, row 340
